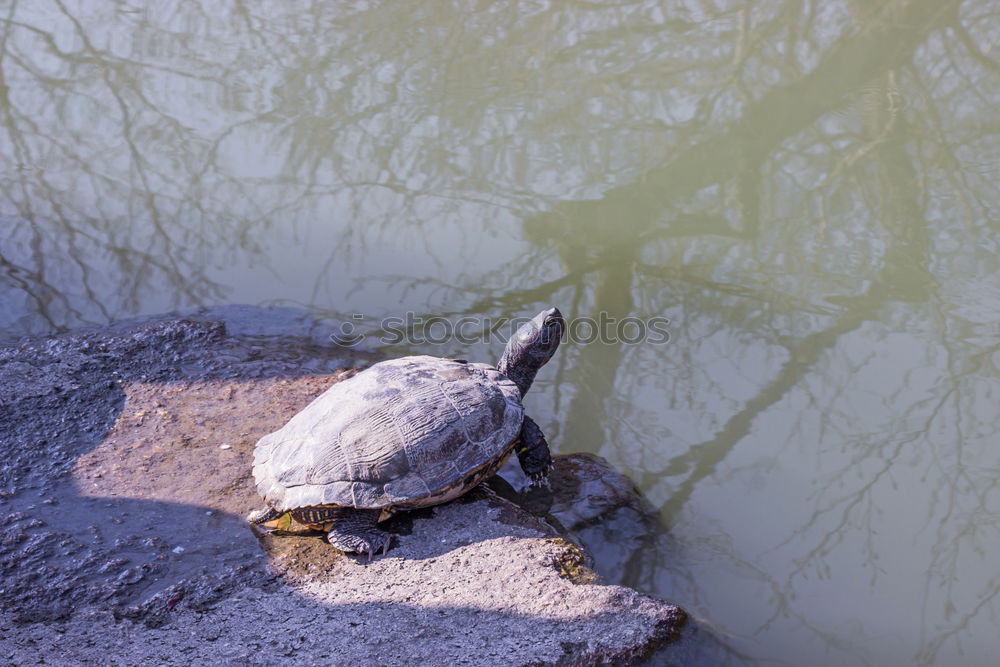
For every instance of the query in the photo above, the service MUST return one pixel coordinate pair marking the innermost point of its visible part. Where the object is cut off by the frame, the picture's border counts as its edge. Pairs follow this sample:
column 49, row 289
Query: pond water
column 808, row 191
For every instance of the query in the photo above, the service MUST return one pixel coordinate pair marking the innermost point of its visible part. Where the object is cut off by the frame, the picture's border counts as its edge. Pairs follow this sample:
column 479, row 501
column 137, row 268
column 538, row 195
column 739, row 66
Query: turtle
column 403, row 434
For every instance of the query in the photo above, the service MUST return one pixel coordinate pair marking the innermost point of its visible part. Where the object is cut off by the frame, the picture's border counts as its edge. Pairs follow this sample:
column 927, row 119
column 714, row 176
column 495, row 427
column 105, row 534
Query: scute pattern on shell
column 400, row 433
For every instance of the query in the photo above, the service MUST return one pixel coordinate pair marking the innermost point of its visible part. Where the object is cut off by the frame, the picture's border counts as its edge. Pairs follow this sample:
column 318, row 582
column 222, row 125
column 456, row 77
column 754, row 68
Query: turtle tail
column 258, row 517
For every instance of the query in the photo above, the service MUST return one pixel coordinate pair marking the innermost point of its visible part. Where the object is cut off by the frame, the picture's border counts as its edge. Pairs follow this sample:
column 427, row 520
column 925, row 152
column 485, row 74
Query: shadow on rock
column 100, row 445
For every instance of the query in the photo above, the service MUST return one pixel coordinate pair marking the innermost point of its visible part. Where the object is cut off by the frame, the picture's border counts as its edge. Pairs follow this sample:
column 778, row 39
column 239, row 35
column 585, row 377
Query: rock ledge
column 124, row 485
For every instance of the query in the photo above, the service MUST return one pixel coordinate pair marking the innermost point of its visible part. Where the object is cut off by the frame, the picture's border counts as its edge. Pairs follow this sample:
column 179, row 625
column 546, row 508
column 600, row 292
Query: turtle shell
column 404, row 433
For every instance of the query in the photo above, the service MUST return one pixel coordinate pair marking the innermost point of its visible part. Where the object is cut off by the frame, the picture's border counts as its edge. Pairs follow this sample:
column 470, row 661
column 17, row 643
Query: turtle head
column 533, row 344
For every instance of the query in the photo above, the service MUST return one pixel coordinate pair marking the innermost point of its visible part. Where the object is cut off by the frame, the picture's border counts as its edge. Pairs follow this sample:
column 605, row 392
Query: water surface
column 808, row 191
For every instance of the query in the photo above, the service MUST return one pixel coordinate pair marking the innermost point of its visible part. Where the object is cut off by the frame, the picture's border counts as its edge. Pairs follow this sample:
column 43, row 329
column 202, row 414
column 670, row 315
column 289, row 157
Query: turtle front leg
column 533, row 453
column 356, row 531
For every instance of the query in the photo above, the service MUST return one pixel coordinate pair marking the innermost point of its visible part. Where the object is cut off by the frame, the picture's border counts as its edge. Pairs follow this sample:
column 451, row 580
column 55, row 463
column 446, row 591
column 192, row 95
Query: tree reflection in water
column 807, row 190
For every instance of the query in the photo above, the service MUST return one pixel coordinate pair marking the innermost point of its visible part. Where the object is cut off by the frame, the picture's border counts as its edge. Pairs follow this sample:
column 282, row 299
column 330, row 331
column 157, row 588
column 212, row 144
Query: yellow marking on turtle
column 282, row 523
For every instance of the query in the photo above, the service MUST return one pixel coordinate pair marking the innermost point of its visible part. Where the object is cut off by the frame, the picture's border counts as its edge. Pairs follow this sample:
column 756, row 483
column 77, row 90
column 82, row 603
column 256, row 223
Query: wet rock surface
column 125, row 475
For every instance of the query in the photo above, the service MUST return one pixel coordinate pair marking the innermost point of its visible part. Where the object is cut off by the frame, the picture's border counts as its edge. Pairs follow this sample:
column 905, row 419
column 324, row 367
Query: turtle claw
column 382, row 545
column 541, row 479
column 374, row 546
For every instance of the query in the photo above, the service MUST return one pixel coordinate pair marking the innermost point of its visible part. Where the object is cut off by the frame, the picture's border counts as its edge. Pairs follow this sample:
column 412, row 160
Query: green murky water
column 810, row 192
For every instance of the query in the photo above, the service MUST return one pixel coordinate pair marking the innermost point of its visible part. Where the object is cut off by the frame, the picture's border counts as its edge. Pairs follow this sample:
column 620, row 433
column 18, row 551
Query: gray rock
column 122, row 540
